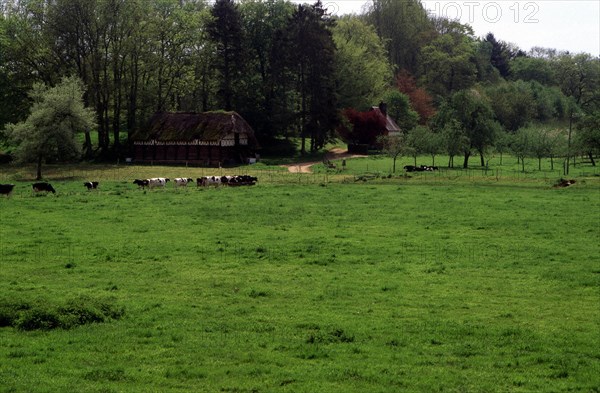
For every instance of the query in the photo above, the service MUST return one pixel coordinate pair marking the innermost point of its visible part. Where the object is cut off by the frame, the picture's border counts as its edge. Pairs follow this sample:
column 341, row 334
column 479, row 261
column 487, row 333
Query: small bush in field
column 38, row 319
column 43, row 315
column 331, row 337
column 9, row 312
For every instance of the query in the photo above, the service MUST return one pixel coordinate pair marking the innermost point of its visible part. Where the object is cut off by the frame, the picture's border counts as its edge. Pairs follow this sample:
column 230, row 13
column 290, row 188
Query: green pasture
column 330, row 282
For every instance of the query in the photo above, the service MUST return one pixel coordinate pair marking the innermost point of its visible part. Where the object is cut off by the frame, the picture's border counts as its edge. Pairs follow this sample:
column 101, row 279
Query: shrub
column 42, row 315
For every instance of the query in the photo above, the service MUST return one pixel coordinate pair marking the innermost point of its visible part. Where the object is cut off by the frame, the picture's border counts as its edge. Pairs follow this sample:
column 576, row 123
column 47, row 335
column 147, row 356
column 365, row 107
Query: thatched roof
column 207, row 126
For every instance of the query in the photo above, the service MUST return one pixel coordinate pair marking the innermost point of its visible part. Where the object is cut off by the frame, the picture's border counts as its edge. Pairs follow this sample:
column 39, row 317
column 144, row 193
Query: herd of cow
column 155, row 182
column 421, row 168
column 205, row 181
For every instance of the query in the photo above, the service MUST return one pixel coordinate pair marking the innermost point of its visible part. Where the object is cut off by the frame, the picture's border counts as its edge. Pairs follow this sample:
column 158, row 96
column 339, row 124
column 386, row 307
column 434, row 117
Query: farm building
column 209, row 138
column 391, row 127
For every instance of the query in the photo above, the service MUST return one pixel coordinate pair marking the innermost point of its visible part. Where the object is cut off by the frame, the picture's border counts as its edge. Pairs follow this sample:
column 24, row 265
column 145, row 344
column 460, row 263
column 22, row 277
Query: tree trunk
column 482, row 159
column 466, row 162
column 539, row 164
column 591, row 155
column 39, row 168
column 87, row 146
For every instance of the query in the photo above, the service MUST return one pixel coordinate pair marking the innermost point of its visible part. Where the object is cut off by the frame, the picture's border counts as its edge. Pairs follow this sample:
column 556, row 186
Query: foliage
column 420, row 101
column 399, row 109
column 501, row 55
column 311, row 59
column 393, row 146
column 49, row 132
column 469, row 114
column 588, row 135
column 268, row 97
column 532, row 69
column 448, row 63
column 362, row 127
column 512, row 103
column 454, row 140
column 404, row 26
column 579, row 77
column 362, row 70
column 227, row 33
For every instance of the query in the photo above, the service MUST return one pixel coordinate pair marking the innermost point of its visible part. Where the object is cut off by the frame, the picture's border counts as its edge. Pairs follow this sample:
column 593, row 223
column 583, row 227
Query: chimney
column 383, row 108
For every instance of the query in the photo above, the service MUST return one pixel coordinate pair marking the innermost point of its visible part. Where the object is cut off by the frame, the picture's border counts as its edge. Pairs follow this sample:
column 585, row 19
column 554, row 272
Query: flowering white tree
column 49, row 132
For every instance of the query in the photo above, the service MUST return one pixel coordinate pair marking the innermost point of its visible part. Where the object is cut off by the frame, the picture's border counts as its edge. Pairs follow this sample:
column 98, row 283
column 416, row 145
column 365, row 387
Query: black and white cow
column 158, row 182
column 182, row 181
column 206, row 181
column 6, row 189
column 43, row 187
column 141, row 183
column 91, row 185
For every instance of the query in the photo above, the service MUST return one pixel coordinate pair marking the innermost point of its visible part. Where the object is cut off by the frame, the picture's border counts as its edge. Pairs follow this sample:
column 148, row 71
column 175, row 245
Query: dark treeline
column 289, row 69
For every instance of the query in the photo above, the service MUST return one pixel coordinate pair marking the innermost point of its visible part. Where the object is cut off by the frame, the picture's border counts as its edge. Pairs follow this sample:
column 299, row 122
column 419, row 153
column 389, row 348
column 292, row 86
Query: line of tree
column 294, row 70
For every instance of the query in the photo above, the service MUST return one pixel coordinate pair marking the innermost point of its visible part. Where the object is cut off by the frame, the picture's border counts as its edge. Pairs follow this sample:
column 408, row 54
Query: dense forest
column 296, row 71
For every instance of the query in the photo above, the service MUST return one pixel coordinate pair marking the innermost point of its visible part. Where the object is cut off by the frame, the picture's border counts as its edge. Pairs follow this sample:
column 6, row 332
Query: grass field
column 303, row 283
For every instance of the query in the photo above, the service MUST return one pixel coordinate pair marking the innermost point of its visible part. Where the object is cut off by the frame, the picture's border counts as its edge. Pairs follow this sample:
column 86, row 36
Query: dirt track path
column 333, row 154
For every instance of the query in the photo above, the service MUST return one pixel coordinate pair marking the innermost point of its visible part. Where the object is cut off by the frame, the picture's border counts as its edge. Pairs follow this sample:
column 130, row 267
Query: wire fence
column 273, row 175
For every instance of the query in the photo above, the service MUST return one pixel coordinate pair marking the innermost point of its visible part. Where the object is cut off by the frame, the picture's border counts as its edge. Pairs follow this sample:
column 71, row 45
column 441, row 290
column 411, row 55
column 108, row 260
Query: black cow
column 6, row 189
column 43, row 187
column 412, row 168
column 142, row 183
column 91, row 185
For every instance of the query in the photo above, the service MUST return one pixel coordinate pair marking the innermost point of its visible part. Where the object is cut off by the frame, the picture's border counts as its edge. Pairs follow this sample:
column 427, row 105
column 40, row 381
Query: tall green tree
column 362, row 70
column 399, row 108
column 501, row 54
column 532, row 69
column 393, row 146
column 448, row 63
column 404, row 26
column 267, row 98
column 512, row 103
column 13, row 85
column 312, row 63
column 227, row 33
column 469, row 112
column 49, row 132
column 579, row 77
column 588, row 135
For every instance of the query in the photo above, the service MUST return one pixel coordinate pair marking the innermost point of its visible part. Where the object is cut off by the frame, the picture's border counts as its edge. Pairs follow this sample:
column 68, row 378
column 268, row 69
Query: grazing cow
column 91, row 185
column 182, row 181
column 43, row 187
column 141, row 183
column 246, row 180
column 206, row 181
column 158, row 182
column 6, row 189
column 564, row 183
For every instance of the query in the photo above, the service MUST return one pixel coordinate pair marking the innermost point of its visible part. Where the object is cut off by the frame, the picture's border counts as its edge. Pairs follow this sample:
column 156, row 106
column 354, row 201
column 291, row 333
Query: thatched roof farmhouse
column 209, row 138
